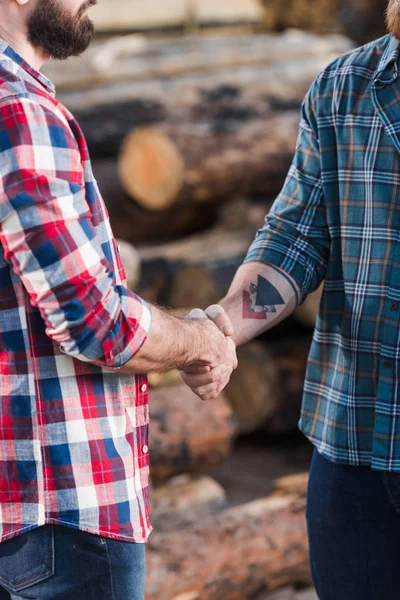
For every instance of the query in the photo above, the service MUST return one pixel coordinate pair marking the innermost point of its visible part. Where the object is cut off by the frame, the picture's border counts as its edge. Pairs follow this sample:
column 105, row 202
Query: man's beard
column 53, row 29
column 393, row 18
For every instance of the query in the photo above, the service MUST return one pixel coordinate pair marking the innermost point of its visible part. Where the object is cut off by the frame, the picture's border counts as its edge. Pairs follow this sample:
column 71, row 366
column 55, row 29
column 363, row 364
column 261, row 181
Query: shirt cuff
column 285, row 258
column 141, row 331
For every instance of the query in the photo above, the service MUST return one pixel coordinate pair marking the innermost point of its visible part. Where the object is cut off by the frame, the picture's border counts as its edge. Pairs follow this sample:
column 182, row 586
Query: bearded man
column 75, row 343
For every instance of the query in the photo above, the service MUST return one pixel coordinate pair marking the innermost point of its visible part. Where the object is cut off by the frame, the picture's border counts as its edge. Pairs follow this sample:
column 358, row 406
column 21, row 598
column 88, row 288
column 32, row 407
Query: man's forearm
column 260, row 296
column 176, row 343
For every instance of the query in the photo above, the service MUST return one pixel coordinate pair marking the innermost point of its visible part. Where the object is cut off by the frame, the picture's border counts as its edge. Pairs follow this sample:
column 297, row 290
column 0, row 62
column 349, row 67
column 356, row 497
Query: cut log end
column 151, row 168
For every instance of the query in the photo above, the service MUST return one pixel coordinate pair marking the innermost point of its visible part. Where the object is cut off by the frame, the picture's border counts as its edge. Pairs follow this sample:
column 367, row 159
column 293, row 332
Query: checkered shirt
column 338, row 218
column 73, row 429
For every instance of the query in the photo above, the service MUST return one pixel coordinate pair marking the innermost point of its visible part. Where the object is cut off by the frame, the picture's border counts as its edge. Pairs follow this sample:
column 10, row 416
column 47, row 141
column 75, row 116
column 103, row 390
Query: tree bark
column 234, row 554
column 187, row 435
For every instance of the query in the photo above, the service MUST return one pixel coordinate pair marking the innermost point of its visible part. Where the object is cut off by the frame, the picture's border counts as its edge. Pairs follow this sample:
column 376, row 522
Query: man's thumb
column 197, row 313
column 217, row 314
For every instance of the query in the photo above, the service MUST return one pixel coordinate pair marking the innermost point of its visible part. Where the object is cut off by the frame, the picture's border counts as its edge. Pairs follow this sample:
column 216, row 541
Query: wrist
column 202, row 342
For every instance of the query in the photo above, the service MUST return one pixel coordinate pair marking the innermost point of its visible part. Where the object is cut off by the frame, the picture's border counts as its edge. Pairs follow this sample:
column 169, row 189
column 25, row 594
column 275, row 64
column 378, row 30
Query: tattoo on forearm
column 261, row 299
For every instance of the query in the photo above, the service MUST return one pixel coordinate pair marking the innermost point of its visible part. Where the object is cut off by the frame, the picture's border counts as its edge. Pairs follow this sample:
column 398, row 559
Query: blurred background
column 190, row 109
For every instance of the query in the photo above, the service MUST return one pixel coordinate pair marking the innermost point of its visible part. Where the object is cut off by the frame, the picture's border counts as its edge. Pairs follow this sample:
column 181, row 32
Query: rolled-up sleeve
column 295, row 236
column 48, row 237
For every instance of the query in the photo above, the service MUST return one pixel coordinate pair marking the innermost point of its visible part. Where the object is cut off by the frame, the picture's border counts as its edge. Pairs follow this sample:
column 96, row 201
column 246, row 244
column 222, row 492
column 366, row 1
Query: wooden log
column 252, row 390
column 194, row 285
column 362, row 20
column 290, row 359
column 151, row 168
column 198, row 270
column 292, row 484
column 184, row 500
column 266, row 389
column 181, row 163
column 179, row 440
column 286, row 593
column 111, row 15
column 216, row 101
column 136, row 225
column 232, row 555
column 139, row 58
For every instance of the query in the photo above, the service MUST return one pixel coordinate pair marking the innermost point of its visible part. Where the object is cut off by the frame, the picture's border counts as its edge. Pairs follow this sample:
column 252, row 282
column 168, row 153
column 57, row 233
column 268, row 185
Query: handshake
column 210, row 374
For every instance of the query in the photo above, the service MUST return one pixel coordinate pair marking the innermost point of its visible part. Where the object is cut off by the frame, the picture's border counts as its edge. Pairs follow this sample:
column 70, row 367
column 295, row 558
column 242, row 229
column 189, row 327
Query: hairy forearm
column 259, row 298
column 176, row 343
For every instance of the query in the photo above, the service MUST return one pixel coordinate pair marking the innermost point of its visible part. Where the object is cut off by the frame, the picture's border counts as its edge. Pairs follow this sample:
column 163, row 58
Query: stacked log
column 138, row 58
column 234, row 554
column 362, row 20
column 214, row 128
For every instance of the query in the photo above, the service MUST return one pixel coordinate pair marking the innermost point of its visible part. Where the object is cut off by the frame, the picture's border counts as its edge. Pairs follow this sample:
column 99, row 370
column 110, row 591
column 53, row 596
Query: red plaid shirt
column 73, row 430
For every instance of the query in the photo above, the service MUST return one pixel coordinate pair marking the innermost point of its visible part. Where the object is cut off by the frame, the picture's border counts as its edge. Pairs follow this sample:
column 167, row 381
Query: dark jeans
column 58, row 563
column 353, row 517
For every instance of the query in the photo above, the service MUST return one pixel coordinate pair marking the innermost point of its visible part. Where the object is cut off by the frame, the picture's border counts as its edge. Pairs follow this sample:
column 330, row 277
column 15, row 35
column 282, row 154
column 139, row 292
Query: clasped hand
column 206, row 382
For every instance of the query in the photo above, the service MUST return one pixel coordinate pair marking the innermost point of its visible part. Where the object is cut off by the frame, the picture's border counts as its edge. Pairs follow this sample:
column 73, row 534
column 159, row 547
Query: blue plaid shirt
column 338, row 218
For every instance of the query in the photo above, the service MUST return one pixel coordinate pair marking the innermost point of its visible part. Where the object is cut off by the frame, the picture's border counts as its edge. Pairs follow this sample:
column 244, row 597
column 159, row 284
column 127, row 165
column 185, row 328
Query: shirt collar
column 8, row 51
column 390, row 55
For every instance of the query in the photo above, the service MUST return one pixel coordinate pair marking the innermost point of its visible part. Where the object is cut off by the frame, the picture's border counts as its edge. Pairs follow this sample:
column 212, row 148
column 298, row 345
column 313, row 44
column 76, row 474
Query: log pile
column 191, row 139
column 235, row 553
column 362, row 20
column 212, row 119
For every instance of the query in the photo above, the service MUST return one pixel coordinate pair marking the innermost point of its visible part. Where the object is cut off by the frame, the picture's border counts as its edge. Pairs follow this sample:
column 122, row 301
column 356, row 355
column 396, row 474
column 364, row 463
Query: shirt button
column 145, row 449
column 143, row 388
column 394, row 306
column 387, row 364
